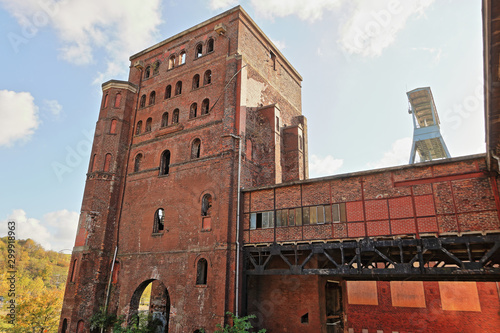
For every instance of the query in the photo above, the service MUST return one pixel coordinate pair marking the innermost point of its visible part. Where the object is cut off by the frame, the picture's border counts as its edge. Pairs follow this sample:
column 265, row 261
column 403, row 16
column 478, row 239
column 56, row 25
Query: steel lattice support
column 464, row 257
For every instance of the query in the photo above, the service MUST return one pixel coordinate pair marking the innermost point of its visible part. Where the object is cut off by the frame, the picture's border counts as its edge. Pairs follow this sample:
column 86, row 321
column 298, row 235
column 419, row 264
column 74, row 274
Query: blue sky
column 357, row 58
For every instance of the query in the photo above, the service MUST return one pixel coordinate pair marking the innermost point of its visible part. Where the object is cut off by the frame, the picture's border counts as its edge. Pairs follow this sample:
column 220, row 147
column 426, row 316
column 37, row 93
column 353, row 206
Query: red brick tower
column 206, row 112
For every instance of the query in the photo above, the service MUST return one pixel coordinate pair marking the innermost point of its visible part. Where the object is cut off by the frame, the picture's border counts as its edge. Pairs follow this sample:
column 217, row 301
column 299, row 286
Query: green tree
column 240, row 325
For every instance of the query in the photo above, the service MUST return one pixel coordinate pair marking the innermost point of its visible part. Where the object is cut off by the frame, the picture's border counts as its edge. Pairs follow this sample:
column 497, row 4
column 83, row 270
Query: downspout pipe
column 238, row 226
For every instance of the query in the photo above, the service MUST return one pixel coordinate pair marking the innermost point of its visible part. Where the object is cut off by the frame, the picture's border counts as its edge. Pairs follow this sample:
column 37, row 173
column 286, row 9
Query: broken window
column 207, row 77
column 199, row 50
column 149, row 121
column 164, row 119
column 171, row 61
column 175, row 116
column 210, row 45
column 262, row 220
column 168, row 91
column 195, row 148
column 305, row 319
column 107, row 162
column 137, row 163
column 182, row 58
column 201, row 272
column 105, row 102
column 143, row 101
column 178, row 88
column 193, row 110
column 206, row 204
column 118, row 99
column 165, row 163
column 138, row 128
column 159, row 220
column 156, row 68
column 205, row 106
column 152, row 98
column 147, row 72
column 196, row 81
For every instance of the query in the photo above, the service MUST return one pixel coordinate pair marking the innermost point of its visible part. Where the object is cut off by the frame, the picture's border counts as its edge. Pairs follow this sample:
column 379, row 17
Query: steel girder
column 462, row 257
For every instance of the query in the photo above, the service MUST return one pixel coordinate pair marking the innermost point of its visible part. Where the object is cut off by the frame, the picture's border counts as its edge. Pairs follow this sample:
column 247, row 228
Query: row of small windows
column 116, row 104
column 165, row 158
column 207, row 79
column 106, row 166
column 174, row 60
column 193, row 113
column 299, row 216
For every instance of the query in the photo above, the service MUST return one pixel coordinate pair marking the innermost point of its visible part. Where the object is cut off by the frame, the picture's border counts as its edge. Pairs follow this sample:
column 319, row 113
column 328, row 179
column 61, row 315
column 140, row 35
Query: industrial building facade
column 198, row 184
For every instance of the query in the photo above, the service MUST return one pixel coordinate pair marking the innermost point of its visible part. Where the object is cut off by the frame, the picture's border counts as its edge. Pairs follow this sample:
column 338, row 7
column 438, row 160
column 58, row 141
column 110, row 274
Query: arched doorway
column 151, row 302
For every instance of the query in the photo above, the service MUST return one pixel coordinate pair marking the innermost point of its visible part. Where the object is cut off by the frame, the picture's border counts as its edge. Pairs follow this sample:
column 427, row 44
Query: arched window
column 195, row 148
column 199, row 50
column 206, row 204
column 205, row 106
column 171, row 61
column 178, row 88
column 152, row 98
column 210, row 45
column 137, row 163
column 142, row 103
column 73, row 271
column 207, row 78
column 149, row 121
column 147, row 72
column 193, row 111
column 112, row 127
column 164, row 119
column 118, row 99
column 92, row 165
column 182, row 58
column 156, row 67
column 165, row 163
column 201, row 272
column 196, row 81
column 107, row 162
column 105, row 102
column 80, row 328
column 168, row 91
column 64, row 328
column 175, row 116
column 159, row 220
column 138, row 128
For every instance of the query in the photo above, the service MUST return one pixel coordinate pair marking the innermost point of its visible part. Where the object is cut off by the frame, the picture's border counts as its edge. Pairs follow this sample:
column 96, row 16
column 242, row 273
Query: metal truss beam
column 464, row 257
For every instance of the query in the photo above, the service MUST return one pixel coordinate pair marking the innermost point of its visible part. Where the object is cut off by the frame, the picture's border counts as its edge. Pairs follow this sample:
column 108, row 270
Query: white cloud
column 323, row 166
column 373, row 25
column 436, row 52
column 56, row 231
column 219, row 4
column 52, row 106
column 19, row 116
column 279, row 44
column 120, row 27
column 311, row 10
column 398, row 155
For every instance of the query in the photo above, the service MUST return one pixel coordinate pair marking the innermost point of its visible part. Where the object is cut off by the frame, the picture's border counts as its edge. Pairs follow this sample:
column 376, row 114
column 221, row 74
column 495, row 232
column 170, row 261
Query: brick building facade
column 198, row 184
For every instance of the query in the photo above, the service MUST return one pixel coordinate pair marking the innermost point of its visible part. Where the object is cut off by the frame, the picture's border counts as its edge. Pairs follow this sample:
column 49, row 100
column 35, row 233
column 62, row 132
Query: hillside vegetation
column 40, row 278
